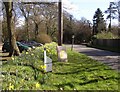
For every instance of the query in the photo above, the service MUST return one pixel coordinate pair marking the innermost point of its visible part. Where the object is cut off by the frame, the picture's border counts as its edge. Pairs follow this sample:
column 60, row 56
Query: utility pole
column 60, row 23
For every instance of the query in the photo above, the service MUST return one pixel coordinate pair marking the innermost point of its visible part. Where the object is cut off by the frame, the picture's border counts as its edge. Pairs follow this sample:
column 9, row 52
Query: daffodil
column 11, row 87
column 22, row 80
column 61, row 88
column 26, row 52
column 12, row 58
column 43, row 66
column 32, row 54
column 74, row 89
column 37, row 85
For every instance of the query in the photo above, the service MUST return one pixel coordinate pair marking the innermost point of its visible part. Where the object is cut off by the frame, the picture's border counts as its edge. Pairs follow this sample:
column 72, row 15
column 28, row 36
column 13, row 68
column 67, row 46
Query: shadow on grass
column 79, row 69
column 65, row 84
column 100, row 78
column 71, row 84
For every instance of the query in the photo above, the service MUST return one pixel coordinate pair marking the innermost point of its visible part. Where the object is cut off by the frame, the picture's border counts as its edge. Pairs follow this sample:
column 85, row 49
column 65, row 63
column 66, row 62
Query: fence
column 113, row 43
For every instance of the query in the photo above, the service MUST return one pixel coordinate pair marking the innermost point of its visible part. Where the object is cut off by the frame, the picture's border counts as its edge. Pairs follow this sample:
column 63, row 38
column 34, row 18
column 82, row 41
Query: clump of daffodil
column 11, row 87
column 43, row 66
column 37, row 85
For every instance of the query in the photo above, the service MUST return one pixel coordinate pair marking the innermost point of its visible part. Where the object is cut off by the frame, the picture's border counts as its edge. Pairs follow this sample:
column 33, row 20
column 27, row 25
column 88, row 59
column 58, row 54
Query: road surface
column 110, row 58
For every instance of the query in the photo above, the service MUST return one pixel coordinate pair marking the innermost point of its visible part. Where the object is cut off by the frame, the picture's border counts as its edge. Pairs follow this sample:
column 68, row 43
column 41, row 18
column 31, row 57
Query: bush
column 106, row 35
column 43, row 38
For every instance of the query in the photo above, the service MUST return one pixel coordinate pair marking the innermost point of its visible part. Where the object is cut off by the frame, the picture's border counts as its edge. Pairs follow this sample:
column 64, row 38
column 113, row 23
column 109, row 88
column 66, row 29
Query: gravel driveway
column 110, row 58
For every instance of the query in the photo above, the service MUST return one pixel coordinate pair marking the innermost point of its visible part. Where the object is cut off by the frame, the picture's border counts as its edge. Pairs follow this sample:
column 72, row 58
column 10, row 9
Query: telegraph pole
column 60, row 23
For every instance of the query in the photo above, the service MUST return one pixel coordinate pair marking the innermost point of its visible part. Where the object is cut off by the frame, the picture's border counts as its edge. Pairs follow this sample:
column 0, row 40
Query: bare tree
column 36, row 17
column 25, row 9
column 49, row 12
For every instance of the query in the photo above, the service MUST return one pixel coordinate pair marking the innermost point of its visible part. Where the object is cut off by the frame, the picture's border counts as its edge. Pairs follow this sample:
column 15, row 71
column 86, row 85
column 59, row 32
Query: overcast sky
column 86, row 8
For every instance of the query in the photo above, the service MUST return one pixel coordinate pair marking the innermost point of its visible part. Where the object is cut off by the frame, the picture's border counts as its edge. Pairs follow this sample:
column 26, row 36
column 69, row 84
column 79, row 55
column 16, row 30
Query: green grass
column 79, row 73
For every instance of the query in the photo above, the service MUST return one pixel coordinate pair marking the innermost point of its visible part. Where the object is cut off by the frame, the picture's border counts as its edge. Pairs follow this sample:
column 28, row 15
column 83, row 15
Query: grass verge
column 79, row 73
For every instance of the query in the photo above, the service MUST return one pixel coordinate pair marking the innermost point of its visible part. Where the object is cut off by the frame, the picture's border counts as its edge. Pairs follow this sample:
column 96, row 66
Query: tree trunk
column 47, row 28
column 36, row 30
column 28, row 38
column 11, row 32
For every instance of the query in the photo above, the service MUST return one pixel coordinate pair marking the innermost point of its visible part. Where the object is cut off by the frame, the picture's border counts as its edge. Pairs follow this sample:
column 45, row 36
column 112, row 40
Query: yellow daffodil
column 22, row 80
column 74, row 89
column 26, row 52
column 32, row 54
column 43, row 66
column 12, row 58
column 61, row 88
column 37, row 85
column 11, row 87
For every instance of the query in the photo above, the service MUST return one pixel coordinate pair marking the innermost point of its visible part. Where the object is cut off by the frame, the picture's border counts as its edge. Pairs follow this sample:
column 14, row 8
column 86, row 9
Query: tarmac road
column 110, row 58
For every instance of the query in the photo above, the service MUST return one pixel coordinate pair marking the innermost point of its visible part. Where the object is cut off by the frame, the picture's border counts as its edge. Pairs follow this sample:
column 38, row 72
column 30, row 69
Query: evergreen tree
column 113, row 12
column 99, row 22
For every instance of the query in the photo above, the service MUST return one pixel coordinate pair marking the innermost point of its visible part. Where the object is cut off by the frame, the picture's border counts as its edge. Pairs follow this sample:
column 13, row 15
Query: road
column 110, row 58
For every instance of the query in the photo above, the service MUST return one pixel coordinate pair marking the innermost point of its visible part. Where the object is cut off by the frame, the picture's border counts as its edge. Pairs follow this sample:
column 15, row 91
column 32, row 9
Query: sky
column 87, row 8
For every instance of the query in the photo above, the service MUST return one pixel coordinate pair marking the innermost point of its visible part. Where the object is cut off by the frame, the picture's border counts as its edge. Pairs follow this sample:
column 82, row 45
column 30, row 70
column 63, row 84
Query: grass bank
column 26, row 72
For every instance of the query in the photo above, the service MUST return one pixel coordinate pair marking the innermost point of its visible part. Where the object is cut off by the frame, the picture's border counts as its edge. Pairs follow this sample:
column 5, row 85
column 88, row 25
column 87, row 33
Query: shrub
column 106, row 35
column 43, row 38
